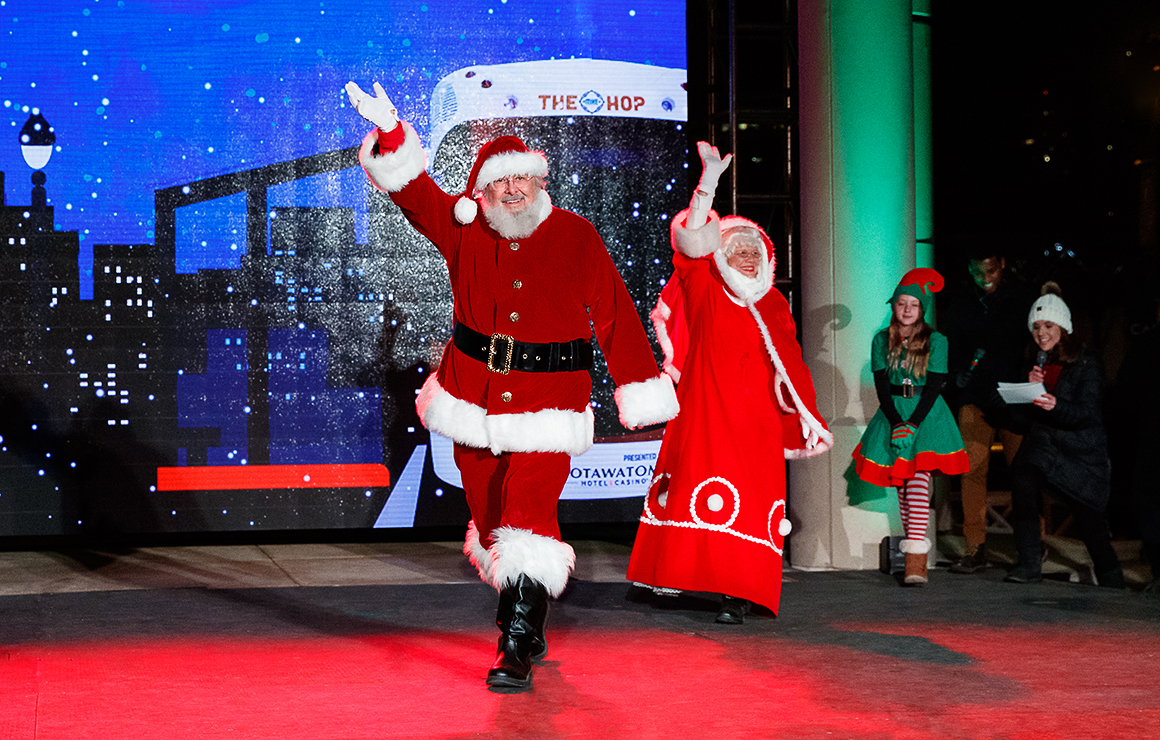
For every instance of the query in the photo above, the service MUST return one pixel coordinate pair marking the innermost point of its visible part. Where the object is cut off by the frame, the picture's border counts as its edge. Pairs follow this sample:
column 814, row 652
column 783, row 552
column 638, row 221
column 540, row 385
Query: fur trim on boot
column 478, row 554
column 918, row 547
column 520, row 552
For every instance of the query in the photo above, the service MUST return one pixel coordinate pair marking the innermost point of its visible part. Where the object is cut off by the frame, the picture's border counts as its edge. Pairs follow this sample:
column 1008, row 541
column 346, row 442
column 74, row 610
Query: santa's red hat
column 505, row 156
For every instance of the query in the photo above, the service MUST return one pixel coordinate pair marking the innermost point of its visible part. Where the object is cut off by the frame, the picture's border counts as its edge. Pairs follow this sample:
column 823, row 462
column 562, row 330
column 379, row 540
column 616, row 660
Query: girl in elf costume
column 913, row 433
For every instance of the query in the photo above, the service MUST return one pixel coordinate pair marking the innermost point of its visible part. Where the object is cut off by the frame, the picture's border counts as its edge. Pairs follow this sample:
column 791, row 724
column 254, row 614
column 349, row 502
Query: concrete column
column 856, row 105
column 923, row 139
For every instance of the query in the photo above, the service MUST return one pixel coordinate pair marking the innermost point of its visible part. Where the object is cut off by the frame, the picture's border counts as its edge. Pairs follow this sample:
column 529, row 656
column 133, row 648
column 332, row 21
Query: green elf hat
column 922, row 283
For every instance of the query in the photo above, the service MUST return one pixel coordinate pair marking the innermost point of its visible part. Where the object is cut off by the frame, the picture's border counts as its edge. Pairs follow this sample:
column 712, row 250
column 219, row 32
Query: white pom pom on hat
column 784, row 527
column 466, row 210
column 501, row 157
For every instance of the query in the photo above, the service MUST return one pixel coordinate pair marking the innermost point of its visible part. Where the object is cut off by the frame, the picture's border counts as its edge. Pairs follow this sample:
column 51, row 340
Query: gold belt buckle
column 491, row 352
column 907, row 388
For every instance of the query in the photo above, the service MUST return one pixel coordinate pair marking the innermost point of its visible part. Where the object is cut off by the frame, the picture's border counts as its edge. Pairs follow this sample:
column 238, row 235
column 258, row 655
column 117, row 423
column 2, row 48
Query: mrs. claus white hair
column 735, row 236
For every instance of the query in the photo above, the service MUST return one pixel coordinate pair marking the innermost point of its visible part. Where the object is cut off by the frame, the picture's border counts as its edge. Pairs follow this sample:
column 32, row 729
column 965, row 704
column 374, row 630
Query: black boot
column 732, row 610
column 1029, row 548
column 539, row 642
column 974, row 560
column 523, row 609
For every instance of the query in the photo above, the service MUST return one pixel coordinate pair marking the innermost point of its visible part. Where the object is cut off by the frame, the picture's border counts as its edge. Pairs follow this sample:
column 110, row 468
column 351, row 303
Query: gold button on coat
column 515, row 246
column 507, row 396
column 517, row 284
column 515, row 316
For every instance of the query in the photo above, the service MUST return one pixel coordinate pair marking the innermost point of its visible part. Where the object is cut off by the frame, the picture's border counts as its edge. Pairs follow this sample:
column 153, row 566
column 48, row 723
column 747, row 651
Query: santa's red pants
column 513, row 489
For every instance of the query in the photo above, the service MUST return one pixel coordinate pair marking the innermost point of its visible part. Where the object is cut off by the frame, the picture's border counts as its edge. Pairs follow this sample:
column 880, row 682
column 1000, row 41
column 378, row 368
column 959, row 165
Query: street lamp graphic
column 36, row 141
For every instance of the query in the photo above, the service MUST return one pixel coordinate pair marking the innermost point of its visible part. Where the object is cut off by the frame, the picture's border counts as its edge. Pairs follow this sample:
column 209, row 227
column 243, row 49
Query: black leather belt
column 906, row 391
column 502, row 354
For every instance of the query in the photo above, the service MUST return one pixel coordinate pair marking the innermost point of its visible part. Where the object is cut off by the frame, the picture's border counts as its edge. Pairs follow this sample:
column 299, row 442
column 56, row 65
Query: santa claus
column 530, row 283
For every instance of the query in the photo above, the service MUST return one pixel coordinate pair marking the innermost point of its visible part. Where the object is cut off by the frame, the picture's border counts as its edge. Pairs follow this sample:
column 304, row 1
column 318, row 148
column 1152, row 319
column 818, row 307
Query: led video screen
column 212, row 322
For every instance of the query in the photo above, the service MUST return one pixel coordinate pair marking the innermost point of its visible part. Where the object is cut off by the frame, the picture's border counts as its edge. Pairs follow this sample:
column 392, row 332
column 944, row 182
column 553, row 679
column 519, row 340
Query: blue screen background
column 143, row 94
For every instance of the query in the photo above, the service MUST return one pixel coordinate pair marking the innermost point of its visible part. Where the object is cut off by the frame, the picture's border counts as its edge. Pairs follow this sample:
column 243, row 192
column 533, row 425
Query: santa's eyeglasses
column 511, row 179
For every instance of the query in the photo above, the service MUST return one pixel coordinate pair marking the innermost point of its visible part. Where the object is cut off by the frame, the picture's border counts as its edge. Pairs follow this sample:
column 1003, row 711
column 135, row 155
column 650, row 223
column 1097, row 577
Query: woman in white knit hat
column 1065, row 449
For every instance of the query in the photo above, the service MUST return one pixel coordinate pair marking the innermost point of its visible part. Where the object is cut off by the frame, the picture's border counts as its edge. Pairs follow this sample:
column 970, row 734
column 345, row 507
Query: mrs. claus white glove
column 712, row 165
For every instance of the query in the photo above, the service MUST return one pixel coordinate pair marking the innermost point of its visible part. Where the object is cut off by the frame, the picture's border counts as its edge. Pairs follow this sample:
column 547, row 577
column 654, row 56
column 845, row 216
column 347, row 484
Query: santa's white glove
column 378, row 109
column 712, row 165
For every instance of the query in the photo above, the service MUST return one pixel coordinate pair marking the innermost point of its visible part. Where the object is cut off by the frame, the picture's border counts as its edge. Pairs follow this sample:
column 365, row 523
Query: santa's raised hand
column 377, row 108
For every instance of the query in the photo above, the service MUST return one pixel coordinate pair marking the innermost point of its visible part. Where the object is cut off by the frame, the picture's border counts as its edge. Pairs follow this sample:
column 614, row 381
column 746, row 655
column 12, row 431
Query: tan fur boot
column 915, row 569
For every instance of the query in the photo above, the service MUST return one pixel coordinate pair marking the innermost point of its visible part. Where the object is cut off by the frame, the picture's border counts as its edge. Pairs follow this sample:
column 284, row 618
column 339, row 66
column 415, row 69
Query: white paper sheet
column 1021, row 392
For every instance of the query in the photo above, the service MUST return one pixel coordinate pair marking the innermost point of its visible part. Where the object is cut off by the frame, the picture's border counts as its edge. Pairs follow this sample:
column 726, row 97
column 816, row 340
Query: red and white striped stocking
column 914, row 505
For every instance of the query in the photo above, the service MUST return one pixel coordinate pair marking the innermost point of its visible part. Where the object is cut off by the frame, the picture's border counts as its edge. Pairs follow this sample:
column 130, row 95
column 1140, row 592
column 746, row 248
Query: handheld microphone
column 1041, row 358
column 964, row 377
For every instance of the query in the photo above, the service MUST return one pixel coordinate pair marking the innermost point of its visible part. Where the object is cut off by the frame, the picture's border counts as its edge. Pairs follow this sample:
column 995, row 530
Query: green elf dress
column 937, row 444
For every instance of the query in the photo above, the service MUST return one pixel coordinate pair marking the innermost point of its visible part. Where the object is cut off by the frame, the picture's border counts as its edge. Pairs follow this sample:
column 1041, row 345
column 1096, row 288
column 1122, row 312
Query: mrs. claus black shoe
column 732, row 610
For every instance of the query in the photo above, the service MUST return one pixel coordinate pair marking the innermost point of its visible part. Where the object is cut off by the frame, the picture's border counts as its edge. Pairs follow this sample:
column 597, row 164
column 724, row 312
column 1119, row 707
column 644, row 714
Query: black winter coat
column 1068, row 444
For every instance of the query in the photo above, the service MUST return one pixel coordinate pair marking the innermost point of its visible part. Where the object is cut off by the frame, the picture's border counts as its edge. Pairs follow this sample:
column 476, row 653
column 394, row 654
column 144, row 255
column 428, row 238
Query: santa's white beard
column 515, row 225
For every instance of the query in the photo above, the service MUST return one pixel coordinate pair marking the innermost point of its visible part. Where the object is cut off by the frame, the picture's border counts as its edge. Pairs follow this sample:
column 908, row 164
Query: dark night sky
column 1017, row 83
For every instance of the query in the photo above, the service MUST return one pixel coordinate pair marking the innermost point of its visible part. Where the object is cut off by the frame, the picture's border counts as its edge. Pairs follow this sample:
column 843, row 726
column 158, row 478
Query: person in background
column 714, row 518
column 530, row 282
column 982, row 325
column 912, row 435
column 1065, row 449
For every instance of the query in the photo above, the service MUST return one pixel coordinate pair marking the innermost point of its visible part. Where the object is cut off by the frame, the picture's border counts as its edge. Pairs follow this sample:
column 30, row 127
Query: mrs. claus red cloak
column 714, row 518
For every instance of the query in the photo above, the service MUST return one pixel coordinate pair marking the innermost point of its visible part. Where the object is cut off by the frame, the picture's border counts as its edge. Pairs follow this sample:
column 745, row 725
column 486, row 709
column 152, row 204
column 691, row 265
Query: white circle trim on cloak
column 648, row 517
column 715, row 479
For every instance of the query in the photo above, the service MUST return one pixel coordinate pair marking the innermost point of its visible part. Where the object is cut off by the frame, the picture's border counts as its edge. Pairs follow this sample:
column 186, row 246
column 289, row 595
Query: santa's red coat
column 546, row 287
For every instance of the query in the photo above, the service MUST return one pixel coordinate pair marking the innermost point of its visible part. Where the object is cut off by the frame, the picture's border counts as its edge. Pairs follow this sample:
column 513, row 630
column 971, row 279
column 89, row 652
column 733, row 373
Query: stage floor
column 331, row 641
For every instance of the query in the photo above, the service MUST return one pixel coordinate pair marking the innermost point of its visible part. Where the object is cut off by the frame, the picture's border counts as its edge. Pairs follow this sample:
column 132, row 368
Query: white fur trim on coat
column 660, row 317
column 748, row 290
column 459, row 420
column 647, row 402
column 391, row 171
column 696, row 243
column 917, row 547
column 516, row 552
column 478, row 554
column 546, row 430
column 818, row 438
